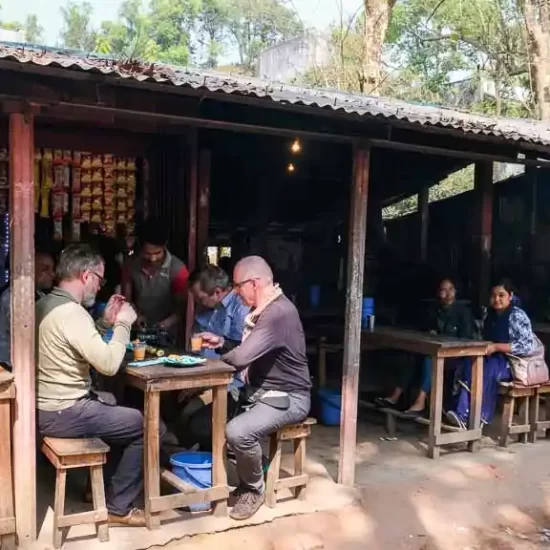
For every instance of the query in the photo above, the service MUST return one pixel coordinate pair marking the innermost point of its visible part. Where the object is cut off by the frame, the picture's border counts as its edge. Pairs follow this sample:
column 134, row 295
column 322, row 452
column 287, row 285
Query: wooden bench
column 7, row 505
column 298, row 434
column 534, row 410
column 65, row 454
column 527, row 401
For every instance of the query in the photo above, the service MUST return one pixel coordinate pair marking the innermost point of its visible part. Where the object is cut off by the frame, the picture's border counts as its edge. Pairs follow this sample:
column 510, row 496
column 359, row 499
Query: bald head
column 253, row 267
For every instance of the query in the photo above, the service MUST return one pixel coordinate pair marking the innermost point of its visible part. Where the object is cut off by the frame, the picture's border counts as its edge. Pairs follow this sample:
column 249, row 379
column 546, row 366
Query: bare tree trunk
column 537, row 22
column 377, row 20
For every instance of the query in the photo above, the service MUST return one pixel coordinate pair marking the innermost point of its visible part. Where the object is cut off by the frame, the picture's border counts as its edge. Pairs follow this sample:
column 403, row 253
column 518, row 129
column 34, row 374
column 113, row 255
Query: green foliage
column 77, row 32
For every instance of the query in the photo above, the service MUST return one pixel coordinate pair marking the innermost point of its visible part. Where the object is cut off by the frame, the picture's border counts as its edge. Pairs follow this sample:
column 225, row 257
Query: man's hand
column 211, row 341
column 112, row 308
column 126, row 315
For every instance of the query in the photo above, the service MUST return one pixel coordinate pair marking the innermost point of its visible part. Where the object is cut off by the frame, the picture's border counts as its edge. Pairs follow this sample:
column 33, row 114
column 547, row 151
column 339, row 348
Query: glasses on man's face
column 100, row 278
column 238, row 286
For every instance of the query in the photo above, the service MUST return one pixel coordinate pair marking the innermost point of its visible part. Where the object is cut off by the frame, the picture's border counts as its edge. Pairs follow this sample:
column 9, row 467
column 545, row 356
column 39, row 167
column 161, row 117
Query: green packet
column 184, row 361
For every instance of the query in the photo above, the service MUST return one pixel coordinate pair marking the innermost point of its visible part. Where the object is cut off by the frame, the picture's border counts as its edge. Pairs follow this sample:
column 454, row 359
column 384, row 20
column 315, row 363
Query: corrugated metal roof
column 509, row 128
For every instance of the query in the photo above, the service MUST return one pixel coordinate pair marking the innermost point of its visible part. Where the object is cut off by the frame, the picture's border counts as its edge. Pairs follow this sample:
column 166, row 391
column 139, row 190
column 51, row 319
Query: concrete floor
column 495, row 499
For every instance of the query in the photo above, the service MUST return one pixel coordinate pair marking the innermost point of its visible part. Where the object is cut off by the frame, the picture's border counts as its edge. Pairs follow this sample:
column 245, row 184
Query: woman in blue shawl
column 509, row 329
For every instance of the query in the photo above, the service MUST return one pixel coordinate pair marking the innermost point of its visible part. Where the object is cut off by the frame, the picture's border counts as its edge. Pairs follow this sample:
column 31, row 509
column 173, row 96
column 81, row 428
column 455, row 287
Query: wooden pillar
column 192, row 217
column 204, row 204
column 22, row 322
column 531, row 175
column 483, row 187
column 354, row 295
column 423, row 211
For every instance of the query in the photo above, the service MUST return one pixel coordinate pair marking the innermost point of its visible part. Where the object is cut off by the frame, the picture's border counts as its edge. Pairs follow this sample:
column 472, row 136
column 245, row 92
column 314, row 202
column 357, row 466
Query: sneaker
column 134, row 518
column 247, row 505
column 455, row 420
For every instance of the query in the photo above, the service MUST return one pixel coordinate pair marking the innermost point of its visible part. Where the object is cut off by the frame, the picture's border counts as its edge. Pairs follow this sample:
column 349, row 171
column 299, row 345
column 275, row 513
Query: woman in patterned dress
column 509, row 329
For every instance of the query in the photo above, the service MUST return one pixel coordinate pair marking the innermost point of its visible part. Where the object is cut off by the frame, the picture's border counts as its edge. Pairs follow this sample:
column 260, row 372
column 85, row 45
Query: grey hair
column 209, row 278
column 75, row 259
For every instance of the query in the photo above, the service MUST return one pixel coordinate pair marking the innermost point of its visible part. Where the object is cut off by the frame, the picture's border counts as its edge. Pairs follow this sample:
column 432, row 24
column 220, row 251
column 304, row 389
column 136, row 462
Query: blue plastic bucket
column 315, row 296
column 330, row 403
column 367, row 310
column 194, row 468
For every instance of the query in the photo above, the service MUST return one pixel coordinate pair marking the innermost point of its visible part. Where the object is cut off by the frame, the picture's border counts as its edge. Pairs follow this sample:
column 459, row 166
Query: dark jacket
column 454, row 320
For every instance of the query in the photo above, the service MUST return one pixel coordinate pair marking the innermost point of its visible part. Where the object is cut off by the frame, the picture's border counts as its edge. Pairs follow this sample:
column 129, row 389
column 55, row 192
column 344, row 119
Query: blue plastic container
column 194, row 468
column 315, row 296
column 367, row 310
column 330, row 403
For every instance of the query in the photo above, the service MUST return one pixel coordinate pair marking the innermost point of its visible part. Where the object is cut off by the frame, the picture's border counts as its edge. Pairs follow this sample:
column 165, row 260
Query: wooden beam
column 483, row 188
column 203, row 220
column 193, row 191
column 22, row 322
column 354, row 295
column 423, row 211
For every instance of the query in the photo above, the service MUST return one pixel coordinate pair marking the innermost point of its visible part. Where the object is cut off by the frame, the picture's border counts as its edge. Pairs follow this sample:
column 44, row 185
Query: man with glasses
column 68, row 345
column 272, row 361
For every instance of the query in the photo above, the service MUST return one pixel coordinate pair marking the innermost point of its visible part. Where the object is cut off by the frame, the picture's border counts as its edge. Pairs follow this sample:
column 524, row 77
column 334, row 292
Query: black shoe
column 385, row 403
column 412, row 415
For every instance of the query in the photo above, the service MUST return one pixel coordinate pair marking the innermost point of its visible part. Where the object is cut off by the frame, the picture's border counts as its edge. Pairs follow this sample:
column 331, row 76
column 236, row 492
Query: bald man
column 272, row 361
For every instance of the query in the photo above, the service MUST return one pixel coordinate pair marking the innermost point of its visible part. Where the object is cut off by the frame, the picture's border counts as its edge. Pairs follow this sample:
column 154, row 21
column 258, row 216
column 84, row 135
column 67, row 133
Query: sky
column 314, row 13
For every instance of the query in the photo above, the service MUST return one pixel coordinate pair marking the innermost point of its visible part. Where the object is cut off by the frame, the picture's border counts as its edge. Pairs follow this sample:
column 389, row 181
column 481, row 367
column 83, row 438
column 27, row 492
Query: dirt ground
column 495, row 499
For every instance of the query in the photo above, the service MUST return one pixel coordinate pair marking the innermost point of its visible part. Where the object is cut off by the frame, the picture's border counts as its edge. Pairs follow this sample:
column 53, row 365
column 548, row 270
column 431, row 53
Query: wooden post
column 22, row 322
column 204, row 204
column 354, row 295
column 423, row 210
column 192, row 229
column 531, row 175
column 483, row 186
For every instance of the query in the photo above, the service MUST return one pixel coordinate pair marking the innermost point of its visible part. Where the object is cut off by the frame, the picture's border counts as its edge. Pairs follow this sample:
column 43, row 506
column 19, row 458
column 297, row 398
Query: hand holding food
column 112, row 308
column 126, row 315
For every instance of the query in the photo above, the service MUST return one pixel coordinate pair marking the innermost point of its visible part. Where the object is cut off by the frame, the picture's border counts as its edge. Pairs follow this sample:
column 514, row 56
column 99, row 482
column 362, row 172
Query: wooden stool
column 536, row 423
column 65, row 454
column 298, row 434
column 526, row 396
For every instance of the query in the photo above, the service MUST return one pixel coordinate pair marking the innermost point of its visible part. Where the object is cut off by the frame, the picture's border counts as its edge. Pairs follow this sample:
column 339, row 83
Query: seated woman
column 448, row 318
column 509, row 328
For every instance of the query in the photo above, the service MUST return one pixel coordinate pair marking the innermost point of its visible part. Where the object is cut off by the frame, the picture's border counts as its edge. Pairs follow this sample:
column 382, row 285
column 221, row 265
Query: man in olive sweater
column 68, row 345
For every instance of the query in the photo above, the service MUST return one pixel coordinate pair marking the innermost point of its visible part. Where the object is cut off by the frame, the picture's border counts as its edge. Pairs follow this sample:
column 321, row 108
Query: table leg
column 322, row 362
column 151, row 456
column 436, row 405
column 476, row 396
column 219, row 469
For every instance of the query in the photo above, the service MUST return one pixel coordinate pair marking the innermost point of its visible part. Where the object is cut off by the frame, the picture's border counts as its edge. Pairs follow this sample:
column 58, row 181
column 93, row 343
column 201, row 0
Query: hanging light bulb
column 291, row 168
column 296, row 146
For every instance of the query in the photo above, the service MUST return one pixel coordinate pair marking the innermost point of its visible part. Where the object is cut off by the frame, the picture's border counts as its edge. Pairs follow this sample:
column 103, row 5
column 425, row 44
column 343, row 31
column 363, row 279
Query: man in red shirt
column 155, row 281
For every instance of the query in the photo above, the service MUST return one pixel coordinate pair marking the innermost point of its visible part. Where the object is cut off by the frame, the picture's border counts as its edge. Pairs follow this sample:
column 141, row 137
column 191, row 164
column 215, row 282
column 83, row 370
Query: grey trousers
column 246, row 431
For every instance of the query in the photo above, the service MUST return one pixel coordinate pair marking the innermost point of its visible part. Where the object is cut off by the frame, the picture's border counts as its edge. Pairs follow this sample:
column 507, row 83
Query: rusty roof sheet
column 515, row 129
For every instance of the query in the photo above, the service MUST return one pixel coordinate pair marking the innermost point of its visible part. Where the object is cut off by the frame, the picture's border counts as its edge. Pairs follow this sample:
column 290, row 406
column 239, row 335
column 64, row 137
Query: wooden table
column 438, row 348
column 153, row 381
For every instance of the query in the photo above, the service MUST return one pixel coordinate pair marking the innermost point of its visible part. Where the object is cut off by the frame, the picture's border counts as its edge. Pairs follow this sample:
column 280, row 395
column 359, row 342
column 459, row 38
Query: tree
column 33, row 30
column 537, row 23
column 213, row 20
column 377, row 19
column 77, row 32
column 258, row 24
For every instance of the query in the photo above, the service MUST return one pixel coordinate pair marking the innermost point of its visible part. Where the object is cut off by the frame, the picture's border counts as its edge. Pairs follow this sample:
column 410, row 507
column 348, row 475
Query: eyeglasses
column 242, row 283
column 101, row 279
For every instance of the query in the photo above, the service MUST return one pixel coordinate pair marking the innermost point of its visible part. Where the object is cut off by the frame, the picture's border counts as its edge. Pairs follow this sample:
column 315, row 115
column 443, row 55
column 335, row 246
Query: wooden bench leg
column 275, row 452
column 524, row 415
column 98, row 492
column 533, row 418
column 391, row 425
column 506, row 421
column 299, row 462
column 547, row 411
column 59, row 507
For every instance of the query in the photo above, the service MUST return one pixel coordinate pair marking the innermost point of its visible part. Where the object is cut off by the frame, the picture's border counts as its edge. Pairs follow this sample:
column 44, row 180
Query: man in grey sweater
column 272, row 362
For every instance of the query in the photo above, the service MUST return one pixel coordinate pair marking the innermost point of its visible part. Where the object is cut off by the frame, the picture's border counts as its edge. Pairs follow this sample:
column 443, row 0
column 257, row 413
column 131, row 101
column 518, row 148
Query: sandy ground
column 496, row 499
